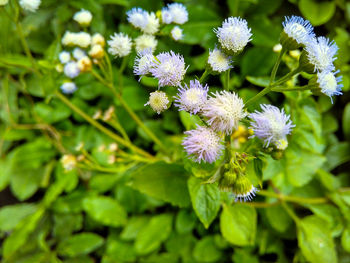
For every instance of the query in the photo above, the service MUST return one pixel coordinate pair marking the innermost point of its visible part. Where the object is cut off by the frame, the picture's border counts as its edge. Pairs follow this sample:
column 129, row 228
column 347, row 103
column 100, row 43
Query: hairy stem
column 204, row 75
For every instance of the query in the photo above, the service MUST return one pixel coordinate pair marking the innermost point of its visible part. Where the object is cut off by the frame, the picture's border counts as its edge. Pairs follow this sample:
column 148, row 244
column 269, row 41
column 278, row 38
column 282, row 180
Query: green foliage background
column 161, row 211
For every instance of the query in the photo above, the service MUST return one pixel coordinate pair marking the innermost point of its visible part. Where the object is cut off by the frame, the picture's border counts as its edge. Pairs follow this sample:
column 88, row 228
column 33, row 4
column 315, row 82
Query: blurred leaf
column 317, row 12
column 238, row 224
column 345, row 239
column 150, row 238
column 133, row 227
column 278, row 218
column 167, row 182
column 66, row 224
column 190, row 121
column 205, row 200
column 346, row 121
column 259, row 81
column 185, row 221
column 206, row 251
column 337, row 154
column 11, row 215
column 105, row 210
column 315, row 240
column 260, row 56
column 53, row 112
column 79, row 244
column 119, row 251
column 135, row 97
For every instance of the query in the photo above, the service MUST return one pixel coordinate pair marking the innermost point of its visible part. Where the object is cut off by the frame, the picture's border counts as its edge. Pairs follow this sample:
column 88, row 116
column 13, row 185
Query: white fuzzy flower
column 98, row 39
column 119, row 45
column 152, row 25
column 176, row 33
column 298, row 29
column 192, row 98
column 82, row 39
column 329, row 83
column 203, row 144
column 219, row 61
column 71, row 69
column 69, row 162
column 167, row 17
column 83, row 17
column 68, row 39
column 143, row 62
column 137, row 17
column 234, row 34
column 179, row 13
column 64, row 57
column 78, row 53
column 145, row 41
column 224, row 111
column 85, row 64
column 30, row 5
column 158, row 101
column 68, row 87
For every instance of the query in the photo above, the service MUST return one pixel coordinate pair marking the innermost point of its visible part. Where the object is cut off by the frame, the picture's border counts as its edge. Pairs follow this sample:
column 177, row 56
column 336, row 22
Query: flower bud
column 243, row 189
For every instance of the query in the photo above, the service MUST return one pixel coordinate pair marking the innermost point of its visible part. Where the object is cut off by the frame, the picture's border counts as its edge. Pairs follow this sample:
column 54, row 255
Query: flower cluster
column 77, row 57
column 318, row 55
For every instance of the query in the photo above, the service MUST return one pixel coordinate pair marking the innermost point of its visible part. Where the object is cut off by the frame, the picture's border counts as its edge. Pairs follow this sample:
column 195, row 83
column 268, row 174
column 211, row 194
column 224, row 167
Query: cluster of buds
column 82, row 50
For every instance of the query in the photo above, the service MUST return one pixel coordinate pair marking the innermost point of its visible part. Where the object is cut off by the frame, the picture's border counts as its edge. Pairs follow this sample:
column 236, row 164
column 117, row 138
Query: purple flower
column 143, row 62
column 203, row 144
column 271, row 125
column 169, row 69
column 191, row 99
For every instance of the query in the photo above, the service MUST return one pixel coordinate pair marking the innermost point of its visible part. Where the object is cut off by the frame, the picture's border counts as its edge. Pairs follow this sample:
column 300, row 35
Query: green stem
column 287, row 77
column 106, row 131
column 290, row 212
column 204, row 75
column 275, row 67
column 294, row 199
column 116, row 124
column 227, row 79
column 306, row 87
column 258, row 96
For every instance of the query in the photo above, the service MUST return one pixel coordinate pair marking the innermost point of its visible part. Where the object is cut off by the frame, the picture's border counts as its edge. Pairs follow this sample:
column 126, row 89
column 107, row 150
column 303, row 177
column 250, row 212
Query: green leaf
column 238, row 224
column 105, row 210
column 205, row 200
column 260, row 56
column 185, row 221
column 259, row 81
column 114, row 2
column 135, row 97
column 66, row 224
column 190, row 121
column 278, row 218
column 317, row 12
column 119, row 251
column 153, row 234
column 53, row 112
column 79, row 244
column 346, row 121
column 337, row 154
column 315, row 240
column 11, row 215
column 164, row 181
column 345, row 239
column 206, row 250
column 133, row 227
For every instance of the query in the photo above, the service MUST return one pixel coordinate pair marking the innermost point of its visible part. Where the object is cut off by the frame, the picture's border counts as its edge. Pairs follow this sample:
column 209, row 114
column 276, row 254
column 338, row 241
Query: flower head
column 96, row 51
column 143, row 62
column 68, row 87
column 243, row 189
column 98, row 39
column 329, row 83
column 64, row 57
column 321, row 53
column 178, row 12
column 271, row 125
column 145, row 42
column 78, row 53
column 176, row 33
column 158, row 101
column 234, row 34
column 82, row 39
column 68, row 38
column 85, row 64
column 169, row 69
column 119, row 45
column 192, row 98
column 83, row 17
column 203, row 144
column 298, row 29
column 30, row 5
column 224, row 111
column 152, row 25
column 69, row 162
column 219, row 61
column 71, row 69
column 167, row 17
column 137, row 17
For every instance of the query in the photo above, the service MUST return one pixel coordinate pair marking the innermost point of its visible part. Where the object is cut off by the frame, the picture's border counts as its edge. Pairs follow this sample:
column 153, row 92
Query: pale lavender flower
column 167, row 17
column 192, row 98
column 321, row 53
column 178, row 12
column 203, row 144
column 143, row 62
column 169, row 69
column 234, row 34
column 137, row 17
column 329, row 83
column 219, row 61
column 298, row 29
column 224, row 111
column 271, row 125
column 68, row 87
column 71, row 69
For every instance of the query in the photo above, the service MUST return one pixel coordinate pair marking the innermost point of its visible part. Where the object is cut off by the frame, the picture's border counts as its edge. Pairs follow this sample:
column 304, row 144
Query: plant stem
column 306, row 87
column 287, row 77
column 227, row 79
column 106, row 131
column 204, row 75
column 290, row 212
column 294, row 199
column 275, row 67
